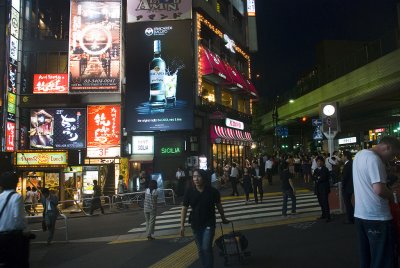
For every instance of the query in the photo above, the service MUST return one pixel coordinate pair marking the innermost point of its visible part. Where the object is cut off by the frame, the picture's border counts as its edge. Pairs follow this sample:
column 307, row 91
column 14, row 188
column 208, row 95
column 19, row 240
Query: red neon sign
column 103, row 127
column 10, row 137
column 50, row 84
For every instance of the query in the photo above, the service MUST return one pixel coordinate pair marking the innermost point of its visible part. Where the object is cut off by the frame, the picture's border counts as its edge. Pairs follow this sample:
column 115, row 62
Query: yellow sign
column 41, row 158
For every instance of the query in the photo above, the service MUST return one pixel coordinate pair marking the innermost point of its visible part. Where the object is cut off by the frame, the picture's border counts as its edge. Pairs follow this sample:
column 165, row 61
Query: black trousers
column 257, row 186
column 349, row 206
column 323, row 200
column 14, row 250
column 234, row 182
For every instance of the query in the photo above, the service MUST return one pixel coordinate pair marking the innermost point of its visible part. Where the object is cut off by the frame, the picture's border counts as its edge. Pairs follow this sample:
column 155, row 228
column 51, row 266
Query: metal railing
column 127, row 199
column 65, row 227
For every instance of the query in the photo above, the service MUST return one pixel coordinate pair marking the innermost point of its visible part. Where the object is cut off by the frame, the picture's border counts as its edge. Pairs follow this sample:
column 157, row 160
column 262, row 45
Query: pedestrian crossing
column 238, row 210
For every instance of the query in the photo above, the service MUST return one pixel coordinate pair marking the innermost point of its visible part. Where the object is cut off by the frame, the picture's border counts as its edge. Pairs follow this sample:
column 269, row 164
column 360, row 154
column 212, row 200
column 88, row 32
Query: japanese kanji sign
column 104, row 126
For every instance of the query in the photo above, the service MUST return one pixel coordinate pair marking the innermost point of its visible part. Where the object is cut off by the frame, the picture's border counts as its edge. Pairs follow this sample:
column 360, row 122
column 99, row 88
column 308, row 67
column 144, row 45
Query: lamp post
column 275, row 119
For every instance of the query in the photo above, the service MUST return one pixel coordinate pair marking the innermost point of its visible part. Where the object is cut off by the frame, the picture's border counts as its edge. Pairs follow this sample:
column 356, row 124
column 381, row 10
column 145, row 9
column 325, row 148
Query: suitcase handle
column 222, row 231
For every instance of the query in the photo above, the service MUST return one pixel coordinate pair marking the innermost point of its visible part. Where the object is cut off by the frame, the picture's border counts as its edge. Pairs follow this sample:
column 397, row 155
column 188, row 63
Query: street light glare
column 291, row 101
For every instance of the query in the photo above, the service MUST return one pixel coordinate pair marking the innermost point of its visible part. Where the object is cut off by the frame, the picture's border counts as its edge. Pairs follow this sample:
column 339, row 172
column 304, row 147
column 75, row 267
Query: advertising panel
column 251, row 8
column 10, row 138
column 142, row 144
column 42, row 158
column 94, row 54
column 58, row 128
column 50, row 84
column 160, row 72
column 103, row 130
column 158, row 10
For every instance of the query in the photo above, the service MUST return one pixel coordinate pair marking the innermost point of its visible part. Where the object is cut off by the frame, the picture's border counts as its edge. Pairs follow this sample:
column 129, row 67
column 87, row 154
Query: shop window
column 226, row 99
column 41, row 61
column 241, row 105
column 208, row 92
column 237, row 19
column 52, row 63
column 63, row 63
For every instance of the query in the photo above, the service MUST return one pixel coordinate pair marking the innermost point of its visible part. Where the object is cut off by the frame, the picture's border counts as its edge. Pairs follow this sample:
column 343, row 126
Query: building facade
column 98, row 89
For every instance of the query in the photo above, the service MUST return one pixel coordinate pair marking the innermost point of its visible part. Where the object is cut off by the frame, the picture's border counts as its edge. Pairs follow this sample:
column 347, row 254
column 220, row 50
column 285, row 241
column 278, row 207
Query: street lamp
column 275, row 119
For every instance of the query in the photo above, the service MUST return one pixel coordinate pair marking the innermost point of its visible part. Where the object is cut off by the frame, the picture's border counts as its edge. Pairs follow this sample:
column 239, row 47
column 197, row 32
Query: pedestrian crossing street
column 238, row 210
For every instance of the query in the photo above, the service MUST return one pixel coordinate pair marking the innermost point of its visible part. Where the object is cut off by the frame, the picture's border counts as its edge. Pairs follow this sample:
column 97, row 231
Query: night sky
column 288, row 31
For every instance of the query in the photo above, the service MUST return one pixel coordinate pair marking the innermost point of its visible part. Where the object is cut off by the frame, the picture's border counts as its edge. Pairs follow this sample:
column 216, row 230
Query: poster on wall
column 160, row 76
column 58, row 128
column 159, row 10
column 94, row 46
column 50, row 84
column 103, row 130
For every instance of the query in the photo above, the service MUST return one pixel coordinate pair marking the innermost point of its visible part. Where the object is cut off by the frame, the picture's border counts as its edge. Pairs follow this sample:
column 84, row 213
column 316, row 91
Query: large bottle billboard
column 94, row 46
column 159, row 75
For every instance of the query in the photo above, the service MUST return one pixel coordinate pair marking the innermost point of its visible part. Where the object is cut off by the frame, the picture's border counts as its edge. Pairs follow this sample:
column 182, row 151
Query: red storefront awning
column 238, row 82
column 251, row 89
column 229, row 134
column 212, row 67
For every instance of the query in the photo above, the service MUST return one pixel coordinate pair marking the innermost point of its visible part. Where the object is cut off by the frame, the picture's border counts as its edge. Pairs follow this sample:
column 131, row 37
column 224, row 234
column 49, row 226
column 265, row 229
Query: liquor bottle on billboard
column 157, row 75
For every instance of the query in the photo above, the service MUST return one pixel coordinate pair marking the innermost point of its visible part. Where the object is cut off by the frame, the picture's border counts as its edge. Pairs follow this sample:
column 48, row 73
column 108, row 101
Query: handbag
column 395, row 210
column 44, row 225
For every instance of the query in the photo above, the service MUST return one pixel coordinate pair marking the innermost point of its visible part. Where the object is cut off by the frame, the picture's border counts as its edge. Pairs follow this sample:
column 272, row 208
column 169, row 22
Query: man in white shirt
column 12, row 223
column 268, row 169
column 373, row 219
column 180, row 177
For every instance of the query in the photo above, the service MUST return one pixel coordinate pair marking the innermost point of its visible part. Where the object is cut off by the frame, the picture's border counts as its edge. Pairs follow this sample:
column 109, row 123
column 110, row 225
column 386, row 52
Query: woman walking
column 150, row 208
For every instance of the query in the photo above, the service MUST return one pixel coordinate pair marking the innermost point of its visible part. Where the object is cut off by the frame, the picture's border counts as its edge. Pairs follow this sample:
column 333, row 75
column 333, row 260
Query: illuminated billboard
column 103, row 130
column 41, row 159
column 50, row 84
column 160, row 76
column 58, row 128
column 94, row 46
column 150, row 10
column 251, row 8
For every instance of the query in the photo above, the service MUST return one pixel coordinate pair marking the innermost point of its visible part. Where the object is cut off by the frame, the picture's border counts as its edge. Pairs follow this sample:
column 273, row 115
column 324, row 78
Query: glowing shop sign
column 171, row 150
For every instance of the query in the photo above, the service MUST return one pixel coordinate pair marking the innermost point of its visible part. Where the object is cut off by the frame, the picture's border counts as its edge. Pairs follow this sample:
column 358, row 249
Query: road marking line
column 187, row 255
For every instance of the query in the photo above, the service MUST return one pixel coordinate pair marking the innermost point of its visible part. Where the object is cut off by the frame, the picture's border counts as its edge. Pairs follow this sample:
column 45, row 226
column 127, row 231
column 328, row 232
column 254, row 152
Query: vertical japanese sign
column 94, row 46
column 150, row 10
column 103, row 130
column 12, row 61
column 58, row 128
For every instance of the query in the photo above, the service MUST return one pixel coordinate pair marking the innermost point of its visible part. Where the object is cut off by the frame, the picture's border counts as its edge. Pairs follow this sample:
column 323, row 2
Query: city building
column 98, row 89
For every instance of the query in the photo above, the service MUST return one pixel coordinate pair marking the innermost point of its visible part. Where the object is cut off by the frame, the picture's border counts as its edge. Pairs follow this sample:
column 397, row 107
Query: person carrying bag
column 14, row 242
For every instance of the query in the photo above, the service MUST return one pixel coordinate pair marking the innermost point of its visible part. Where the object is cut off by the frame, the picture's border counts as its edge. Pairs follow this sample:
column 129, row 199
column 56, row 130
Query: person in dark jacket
column 287, row 189
column 96, row 201
column 347, row 186
column 322, row 187
column 50, row 212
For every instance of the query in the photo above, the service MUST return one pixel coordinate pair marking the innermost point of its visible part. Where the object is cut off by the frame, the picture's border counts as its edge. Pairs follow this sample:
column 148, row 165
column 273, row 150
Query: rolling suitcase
column 232, row 245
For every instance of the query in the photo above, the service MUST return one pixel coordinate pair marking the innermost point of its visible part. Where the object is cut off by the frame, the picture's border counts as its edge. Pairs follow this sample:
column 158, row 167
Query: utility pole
column 275, row 120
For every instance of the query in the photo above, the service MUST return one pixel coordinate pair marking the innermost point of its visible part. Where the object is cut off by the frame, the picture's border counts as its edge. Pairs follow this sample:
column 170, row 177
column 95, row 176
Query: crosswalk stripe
column 249, row 207
column 239, row 210
column 241, row 201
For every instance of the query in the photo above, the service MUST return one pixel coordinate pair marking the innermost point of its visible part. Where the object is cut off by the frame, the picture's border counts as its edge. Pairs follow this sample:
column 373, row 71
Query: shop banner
column 94, row 55
column 160, row 72
column 41, row 158
column 158, row 10
column 58, row 128
column 143, row 145
column 50, row 84
column 10, row 138
column 104, row 124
